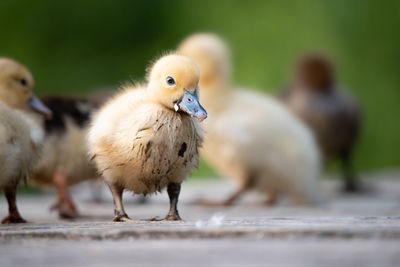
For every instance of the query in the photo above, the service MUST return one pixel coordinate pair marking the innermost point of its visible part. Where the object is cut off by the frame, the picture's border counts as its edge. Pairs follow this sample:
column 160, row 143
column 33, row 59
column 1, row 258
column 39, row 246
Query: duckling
column 332, row 113
column 251, row 137
column 64, row 159
column 145, row 138
column 99, row 97
column 19, row 138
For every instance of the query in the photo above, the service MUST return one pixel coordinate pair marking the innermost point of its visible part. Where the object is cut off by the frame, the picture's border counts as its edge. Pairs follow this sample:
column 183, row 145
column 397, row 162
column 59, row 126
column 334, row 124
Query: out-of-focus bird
column 332, row 114
column 19, row 138
column 145, row 139
column 64, row 160
column 250, row 137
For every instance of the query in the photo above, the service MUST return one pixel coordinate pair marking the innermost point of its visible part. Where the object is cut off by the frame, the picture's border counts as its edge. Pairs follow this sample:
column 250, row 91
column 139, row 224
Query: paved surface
column 357, row 230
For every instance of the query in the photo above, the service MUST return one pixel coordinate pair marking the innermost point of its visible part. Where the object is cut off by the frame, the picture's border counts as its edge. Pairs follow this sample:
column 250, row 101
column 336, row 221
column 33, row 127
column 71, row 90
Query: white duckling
column 250, row 137
column 64, row 159
column 145, row 138
column 19, row 138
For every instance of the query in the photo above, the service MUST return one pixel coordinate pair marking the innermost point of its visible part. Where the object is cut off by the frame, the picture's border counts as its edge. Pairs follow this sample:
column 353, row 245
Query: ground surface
column 357, row 230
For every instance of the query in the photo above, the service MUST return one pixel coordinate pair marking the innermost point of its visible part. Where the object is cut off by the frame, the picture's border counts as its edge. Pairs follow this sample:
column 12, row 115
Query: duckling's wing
column 143, row 140
column 147, row 123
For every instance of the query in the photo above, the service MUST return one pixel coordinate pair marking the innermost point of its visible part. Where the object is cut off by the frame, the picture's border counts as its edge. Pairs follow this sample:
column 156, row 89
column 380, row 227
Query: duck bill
column 36, row 105
column 190, row 105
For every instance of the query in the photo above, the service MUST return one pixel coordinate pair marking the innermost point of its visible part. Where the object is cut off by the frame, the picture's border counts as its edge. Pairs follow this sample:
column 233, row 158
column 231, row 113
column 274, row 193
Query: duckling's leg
column 13, row 214
column 66, row 207
column 173, row 190
column 231, row 199
column 119, row 212
column 272, row 198
column 350, row 180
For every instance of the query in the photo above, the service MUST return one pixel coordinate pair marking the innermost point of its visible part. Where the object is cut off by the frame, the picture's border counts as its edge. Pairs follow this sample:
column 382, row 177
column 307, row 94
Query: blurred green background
column 73, row 47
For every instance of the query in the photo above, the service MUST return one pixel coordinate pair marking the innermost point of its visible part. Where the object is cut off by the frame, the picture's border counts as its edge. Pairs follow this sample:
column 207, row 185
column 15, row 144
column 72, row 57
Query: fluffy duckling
column 332, row 114
column 64, row 159
column 99, row 97
column 19, row 139
column 145, row 138
column 251, row 137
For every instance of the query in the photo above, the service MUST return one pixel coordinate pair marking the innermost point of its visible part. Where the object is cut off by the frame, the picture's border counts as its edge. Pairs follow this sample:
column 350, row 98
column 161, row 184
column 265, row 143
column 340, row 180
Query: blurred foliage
column 73, row 47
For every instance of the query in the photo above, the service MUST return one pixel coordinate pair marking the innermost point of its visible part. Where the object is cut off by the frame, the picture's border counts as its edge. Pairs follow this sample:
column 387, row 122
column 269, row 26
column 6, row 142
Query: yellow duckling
column 145, row 138
column 251, row 137
column 19, row 139
column 64, row 159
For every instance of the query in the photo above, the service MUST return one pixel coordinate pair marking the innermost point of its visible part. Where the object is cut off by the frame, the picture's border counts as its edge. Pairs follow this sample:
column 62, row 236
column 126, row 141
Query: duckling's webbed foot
column 173, row 190
column 13, row 218
column 65, row 212
column 64, row 204
column 13, row 214
column 173, row 217
column 121, row 218
column 272, row 198
column 119, row 212
column 350, row 186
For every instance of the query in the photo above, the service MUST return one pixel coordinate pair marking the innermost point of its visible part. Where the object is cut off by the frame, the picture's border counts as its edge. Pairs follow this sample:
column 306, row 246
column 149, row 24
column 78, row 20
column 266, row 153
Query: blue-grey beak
column 190, row 104
column 38, row 106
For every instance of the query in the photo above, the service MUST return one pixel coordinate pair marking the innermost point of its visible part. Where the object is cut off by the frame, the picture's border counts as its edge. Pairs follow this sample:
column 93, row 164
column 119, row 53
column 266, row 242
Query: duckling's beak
column 190, row 104
column 38, row 106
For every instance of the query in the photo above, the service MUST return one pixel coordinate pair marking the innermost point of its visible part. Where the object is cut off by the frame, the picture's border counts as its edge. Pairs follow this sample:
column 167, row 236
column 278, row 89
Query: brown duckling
column 332, row 113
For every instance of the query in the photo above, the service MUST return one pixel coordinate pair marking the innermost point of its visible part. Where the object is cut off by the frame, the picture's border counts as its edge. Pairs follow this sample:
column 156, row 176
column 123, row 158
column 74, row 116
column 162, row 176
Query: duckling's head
column 16, row 84
column 315, row 73
column 173, row 81
column 213, row 56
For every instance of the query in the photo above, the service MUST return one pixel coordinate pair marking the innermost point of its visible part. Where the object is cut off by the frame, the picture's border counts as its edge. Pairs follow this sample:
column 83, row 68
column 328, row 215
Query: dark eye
column 170, row 80
column 189, row 99
column 23, row 82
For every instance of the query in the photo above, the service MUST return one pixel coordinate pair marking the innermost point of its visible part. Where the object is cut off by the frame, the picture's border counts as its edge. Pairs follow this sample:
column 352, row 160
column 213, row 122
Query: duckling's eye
column 23, row 82
column 170, row 80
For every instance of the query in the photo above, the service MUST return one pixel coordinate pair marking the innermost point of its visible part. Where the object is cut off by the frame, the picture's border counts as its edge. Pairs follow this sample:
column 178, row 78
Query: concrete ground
column 349, row 230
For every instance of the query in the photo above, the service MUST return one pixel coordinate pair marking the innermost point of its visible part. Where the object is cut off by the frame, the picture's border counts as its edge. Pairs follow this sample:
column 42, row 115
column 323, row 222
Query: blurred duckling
column 251, row 137
column 64, row 159
column 146, row 139
column 332, row 114
column 19, row 138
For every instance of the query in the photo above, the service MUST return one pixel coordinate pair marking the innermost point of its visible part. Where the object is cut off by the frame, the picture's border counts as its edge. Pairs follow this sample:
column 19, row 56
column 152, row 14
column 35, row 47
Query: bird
column 99, row 97
column 20, row 140
column 147, row 137
column 330, row 111
column 64, row 159
column 251, row 137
